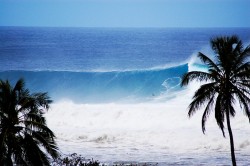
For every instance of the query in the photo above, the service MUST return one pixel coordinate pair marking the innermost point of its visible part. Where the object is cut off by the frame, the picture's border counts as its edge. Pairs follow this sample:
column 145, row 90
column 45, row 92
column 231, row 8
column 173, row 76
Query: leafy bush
column 74, row 160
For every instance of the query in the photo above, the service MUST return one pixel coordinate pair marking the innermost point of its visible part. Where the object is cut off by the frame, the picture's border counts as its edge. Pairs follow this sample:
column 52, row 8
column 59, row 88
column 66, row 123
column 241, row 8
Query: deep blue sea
column 116, row 91
column 122, row 64
column 103, row 49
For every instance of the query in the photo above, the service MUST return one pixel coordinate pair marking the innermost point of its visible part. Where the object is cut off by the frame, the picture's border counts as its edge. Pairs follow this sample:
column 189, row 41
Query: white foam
column 111, row 132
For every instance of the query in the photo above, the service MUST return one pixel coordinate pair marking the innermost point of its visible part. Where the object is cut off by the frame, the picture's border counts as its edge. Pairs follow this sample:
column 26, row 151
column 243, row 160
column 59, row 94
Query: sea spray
column 143, row 132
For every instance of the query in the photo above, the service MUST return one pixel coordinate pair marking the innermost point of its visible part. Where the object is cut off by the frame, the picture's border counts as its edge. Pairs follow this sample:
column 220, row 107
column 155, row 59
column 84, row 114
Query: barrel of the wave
column 102, row 87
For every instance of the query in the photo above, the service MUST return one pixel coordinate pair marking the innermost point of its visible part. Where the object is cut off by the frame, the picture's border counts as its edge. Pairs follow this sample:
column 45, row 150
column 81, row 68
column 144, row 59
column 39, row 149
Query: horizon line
column 157, row 27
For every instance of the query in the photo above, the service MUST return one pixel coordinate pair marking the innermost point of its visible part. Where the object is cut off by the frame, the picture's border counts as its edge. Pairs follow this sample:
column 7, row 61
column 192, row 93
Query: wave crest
column 96, row 87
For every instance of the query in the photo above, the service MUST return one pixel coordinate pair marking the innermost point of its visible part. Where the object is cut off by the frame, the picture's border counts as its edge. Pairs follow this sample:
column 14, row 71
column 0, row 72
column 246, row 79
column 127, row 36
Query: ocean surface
column 117, row 94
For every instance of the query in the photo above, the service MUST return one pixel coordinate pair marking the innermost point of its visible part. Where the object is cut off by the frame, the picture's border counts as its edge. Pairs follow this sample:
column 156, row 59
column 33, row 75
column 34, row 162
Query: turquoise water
column 117, row 86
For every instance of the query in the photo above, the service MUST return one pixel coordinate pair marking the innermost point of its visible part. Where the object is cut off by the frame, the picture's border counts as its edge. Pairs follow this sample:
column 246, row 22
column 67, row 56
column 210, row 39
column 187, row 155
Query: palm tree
column 25, row 138
column 227, row 81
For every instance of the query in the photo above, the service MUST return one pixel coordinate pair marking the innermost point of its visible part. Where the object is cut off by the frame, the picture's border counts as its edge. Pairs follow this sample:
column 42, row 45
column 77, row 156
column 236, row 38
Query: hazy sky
column 125, row 13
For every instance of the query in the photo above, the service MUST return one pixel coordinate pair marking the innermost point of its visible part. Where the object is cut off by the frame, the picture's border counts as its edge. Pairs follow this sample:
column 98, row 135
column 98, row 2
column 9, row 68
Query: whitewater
column 117, row 94
column 154, row 132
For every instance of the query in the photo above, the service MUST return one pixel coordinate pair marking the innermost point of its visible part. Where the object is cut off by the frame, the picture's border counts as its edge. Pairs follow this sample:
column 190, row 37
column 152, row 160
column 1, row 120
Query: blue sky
column 125, row 13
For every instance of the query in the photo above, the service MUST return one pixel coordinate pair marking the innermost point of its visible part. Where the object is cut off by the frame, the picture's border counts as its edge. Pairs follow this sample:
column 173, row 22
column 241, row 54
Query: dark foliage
column 74, row 160
column 77, row 160
column 25, row 138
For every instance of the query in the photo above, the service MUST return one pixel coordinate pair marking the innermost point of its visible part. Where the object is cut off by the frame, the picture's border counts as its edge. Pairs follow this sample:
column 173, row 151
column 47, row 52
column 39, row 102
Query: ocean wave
column 94, row 87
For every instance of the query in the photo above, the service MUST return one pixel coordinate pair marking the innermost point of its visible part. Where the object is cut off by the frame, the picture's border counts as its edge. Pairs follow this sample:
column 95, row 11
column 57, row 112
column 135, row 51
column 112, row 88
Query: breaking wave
column 103, row 87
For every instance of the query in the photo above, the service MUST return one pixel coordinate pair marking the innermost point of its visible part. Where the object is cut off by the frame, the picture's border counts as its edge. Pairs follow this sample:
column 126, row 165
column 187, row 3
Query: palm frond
column 241, row 68
column 243, row 84
column 18, row 154
column 19, row 85
column 47, row 142
column 35, row 117
column 202, row 95
column 232, row 110
column 196, row 75
column 245, row 53
column 216, row 75
column 219, row 113
column 238, row 48
column 23, row 128
column 32, row 125
column 206, row 113
column 244, row 101
column 205, row 59
column 33, row 153
column 42, row 99
column 242, row 71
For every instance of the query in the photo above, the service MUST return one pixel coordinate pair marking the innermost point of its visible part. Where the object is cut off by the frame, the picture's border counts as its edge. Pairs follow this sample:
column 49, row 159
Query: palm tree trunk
column 231, row 139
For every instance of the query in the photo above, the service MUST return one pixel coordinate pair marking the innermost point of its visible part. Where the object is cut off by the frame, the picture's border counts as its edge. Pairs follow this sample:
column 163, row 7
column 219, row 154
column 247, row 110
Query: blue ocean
column 117, row 94
column 121, row 64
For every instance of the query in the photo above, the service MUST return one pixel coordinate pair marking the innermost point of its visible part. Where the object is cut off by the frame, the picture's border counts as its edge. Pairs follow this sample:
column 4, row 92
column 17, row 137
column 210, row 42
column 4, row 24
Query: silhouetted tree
column 74, row 160
column 227, row 80
column 25, row 138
